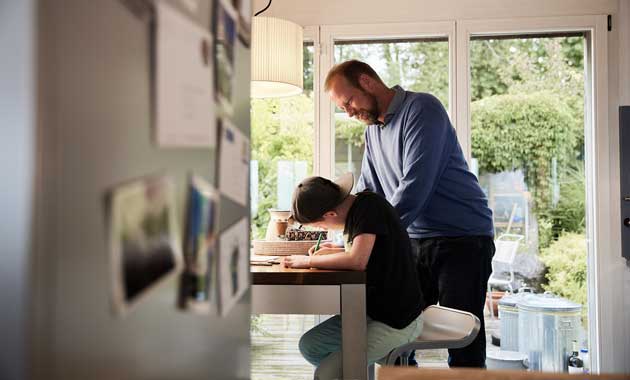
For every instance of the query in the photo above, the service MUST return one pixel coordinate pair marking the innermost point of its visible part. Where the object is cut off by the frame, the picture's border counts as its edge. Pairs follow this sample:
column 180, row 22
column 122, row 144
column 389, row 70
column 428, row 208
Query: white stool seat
column 443, row 328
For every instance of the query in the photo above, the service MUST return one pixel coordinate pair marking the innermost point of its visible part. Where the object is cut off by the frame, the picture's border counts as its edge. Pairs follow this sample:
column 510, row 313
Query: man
column 412, row 158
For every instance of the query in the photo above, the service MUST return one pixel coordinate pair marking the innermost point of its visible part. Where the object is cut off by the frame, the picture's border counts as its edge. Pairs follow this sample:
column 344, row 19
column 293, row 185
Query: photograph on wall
column 184, row 74
column 198, row 279
column 234, row 156
column 225, row 23
column 144, row 242
column 233, row 265
column 244, row 9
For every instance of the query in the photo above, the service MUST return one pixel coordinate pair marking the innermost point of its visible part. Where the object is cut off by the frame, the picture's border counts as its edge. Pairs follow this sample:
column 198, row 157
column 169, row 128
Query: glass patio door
column 529, row 97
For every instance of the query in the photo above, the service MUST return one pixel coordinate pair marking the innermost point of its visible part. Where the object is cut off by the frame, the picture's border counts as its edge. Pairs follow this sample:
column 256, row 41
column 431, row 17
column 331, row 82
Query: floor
column 275, row 355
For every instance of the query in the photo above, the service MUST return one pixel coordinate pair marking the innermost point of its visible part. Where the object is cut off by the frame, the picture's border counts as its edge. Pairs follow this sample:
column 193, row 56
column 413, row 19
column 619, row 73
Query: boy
column 376, row 243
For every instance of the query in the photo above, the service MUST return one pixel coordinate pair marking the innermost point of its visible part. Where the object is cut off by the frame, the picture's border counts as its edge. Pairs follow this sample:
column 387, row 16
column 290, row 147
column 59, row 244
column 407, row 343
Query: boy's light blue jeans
column 321, row 345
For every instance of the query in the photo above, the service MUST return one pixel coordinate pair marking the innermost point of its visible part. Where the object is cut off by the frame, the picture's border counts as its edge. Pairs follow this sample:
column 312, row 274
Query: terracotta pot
column 496, row 296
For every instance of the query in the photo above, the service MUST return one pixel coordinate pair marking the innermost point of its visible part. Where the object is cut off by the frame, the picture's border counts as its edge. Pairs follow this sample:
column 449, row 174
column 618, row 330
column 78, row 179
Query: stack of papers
column 264, row 260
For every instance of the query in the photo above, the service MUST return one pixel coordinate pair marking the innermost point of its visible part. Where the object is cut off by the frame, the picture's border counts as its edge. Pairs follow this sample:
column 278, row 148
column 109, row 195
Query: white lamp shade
column 276, row 58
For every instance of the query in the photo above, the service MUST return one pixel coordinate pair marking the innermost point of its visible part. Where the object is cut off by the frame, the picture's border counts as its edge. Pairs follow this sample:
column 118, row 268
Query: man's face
column 356, row 102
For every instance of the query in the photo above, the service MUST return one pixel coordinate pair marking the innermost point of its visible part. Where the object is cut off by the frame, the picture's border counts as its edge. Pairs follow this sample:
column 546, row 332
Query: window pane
column 416, row 65
column 282, row 148
column 282, row 155
column 527, row 133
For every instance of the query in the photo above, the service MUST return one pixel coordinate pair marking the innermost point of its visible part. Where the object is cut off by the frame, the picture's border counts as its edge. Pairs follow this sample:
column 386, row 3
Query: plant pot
column 496, row 296
column 510, row 360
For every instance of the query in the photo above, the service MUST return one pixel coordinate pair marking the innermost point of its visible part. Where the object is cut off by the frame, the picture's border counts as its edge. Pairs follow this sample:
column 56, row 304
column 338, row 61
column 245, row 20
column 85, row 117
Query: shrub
column 569, row 215
column 565, row 259
column 524, row 131
column 545, row 232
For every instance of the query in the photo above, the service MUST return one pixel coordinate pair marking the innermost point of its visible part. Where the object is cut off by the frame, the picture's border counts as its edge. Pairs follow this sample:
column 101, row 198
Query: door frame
column 597, row 163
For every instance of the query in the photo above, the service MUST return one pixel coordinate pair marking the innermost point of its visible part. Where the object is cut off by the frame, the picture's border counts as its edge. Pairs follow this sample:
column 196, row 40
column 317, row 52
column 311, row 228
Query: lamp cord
column 262, row 10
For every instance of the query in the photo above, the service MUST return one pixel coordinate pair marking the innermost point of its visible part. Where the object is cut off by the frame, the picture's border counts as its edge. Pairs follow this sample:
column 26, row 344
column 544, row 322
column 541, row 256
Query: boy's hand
column 327, row 251
column 311, row 250
column 297, row 262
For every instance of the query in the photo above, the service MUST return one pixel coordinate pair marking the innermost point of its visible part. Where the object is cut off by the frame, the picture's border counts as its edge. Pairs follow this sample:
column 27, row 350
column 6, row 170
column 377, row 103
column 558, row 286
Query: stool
column 443, row 328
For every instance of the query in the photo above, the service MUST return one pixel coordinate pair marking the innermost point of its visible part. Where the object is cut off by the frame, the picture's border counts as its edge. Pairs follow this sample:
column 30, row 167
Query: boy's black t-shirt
column 393, row 290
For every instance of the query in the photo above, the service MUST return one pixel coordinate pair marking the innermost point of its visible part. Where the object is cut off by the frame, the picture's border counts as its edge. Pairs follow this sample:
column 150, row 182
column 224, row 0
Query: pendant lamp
column 276, row 57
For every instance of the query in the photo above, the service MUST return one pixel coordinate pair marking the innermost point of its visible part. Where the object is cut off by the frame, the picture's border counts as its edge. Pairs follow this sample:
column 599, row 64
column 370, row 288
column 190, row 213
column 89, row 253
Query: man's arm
column 425, row 156
column 357, row 259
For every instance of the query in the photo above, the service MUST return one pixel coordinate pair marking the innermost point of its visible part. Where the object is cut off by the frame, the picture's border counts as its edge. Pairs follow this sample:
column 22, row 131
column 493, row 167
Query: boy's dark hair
column 351, row 70
column 314, row 196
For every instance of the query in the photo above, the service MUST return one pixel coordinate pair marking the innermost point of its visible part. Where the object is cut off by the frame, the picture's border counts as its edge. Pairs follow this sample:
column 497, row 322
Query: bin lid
column 511, row 300
column 548, row 302
column 506, row 355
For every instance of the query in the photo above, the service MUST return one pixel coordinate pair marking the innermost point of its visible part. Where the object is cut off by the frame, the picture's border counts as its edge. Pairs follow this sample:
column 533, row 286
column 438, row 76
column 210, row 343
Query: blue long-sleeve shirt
column 415, row 161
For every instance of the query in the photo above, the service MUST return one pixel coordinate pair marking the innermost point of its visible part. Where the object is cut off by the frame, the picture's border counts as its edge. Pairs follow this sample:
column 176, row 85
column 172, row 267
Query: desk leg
column 354, row 332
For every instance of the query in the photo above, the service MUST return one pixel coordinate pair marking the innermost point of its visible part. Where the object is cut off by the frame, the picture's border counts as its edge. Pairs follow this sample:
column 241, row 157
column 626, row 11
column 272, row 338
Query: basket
column 282, row 247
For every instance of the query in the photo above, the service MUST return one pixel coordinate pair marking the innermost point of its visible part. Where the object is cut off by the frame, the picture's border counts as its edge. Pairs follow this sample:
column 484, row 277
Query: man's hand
column 297, row 262
column 311, row 250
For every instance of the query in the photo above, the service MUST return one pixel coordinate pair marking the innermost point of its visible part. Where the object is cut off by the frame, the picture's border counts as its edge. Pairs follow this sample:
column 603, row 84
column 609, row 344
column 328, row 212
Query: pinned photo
column 244, row 9
column 233, row 265
column 226, row 29
column 198, row 280
column 143, row 239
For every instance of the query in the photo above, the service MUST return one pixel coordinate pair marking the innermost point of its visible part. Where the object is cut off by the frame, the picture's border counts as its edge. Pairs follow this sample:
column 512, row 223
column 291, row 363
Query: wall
column 614, row 274
column 94, row 123
column 17, row 150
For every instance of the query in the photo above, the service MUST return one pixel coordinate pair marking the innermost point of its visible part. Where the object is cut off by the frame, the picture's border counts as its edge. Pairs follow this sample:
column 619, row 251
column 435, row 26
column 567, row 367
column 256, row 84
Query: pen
column 319, row 239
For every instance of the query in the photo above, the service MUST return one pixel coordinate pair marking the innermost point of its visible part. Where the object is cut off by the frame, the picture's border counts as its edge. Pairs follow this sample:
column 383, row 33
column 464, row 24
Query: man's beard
column 369, row 115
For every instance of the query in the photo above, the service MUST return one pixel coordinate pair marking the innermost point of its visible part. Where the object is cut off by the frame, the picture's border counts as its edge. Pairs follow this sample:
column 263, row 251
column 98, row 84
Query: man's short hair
column 351, row 70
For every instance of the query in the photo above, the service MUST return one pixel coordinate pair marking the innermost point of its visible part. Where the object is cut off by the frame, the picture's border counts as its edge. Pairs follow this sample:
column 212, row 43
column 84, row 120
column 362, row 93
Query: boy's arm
column 356, row 259
column 323, row 247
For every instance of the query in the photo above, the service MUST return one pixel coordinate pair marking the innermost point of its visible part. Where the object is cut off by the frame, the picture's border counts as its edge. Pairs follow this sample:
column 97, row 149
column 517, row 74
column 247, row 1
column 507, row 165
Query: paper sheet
column 233, row 163
column 233, row 265
column 185, row 109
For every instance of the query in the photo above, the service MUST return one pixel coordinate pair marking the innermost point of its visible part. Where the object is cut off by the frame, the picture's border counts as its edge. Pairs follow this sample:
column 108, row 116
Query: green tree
column 350, row 131
column 525, row 131
column 282, row 129
column 499, row 66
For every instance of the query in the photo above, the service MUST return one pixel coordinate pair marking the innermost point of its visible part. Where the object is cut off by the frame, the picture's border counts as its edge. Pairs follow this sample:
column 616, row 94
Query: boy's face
column 330, row 221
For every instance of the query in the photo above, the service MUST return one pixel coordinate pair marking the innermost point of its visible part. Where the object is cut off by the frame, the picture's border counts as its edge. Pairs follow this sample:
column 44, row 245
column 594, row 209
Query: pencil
column 319, row 239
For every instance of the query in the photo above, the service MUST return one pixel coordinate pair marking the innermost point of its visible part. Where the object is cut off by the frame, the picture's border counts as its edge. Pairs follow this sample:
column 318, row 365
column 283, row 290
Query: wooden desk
column 279, row 290
column 406, row 373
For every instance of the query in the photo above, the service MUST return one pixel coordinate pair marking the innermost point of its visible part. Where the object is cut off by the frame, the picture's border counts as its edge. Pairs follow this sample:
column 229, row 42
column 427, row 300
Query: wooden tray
column 283, row 247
